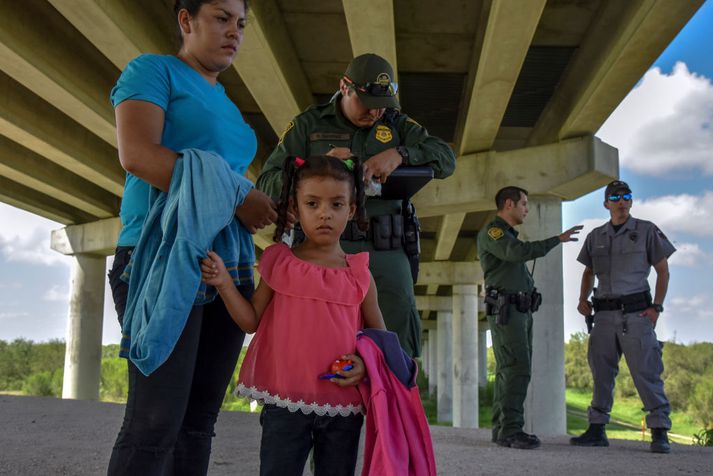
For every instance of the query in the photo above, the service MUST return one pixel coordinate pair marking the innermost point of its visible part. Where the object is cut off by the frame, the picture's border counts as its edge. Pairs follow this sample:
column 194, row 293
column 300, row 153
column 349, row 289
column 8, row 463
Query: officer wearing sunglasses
column 620, row 254
column 363, row 118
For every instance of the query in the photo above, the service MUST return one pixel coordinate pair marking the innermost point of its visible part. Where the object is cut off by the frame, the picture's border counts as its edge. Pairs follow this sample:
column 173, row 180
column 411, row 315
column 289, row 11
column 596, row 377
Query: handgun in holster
column 497, row 304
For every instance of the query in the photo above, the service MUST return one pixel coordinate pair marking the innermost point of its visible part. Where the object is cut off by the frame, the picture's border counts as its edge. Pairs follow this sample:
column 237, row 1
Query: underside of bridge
column 518, row 88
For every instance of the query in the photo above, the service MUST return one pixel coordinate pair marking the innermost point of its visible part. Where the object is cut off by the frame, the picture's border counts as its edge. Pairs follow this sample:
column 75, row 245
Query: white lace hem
column 263, row 397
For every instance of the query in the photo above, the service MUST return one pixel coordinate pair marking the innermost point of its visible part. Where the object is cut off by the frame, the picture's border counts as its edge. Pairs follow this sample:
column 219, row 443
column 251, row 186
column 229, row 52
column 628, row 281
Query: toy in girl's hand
column 337, row 365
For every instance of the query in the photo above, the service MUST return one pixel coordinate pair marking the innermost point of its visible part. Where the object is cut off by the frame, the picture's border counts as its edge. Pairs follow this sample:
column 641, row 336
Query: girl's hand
column 213, row 271
column 354, row 376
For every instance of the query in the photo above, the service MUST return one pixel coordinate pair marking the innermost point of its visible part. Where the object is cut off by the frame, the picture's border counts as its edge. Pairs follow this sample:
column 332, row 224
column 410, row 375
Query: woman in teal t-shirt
column 164, row 104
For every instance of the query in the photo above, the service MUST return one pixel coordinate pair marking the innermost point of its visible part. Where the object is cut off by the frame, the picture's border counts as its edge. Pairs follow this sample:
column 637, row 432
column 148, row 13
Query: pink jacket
column 398, row 440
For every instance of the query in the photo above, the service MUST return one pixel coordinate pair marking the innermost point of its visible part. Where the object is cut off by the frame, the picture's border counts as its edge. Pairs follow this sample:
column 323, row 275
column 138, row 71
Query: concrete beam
column 96, row 238
column 447, row 235
column 40, row 204
column 434, row 303
column 29, row 120
column 625, row 39
column 449, row 273
column 117, row 28
column 26, row 167
column 428, row 324
column 370, row 32
column 270, row 66
column 567, row 169
column 511, row 24
column 56, row 62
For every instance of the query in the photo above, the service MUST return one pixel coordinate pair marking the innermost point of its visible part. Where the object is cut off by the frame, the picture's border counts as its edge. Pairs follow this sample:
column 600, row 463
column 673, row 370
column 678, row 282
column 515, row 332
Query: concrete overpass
column 517, row 87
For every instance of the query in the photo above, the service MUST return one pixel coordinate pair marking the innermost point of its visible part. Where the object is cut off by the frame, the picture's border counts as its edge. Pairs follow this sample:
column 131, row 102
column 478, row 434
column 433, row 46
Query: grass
column 626, row 415
column 626, row 418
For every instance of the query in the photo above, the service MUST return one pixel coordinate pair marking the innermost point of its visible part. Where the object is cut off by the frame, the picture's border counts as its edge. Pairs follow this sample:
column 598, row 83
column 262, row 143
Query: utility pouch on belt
column 411, row 237
column 382, row 232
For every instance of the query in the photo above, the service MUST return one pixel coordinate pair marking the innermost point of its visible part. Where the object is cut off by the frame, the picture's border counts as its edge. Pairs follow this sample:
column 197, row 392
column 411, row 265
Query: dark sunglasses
column 616, row 198
column 374, row 89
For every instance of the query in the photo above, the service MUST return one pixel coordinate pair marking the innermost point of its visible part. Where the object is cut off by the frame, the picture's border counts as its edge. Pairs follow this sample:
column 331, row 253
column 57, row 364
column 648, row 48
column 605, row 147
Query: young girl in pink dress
column 310, row 303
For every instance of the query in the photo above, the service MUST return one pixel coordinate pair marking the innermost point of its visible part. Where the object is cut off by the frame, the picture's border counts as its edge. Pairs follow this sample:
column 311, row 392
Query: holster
column 497, row 304
column 411, row 237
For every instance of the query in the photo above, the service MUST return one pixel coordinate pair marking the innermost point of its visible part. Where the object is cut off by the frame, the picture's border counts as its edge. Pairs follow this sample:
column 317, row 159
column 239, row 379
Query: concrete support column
column 545, row 410
column 482, row 354
column 425, row 368
column 444, row 377
column 432, row 361
column 465, row 356
column 82, row 362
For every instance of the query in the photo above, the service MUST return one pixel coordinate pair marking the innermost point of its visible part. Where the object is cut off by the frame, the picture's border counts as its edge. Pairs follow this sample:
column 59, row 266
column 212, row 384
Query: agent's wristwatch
column 658, row 308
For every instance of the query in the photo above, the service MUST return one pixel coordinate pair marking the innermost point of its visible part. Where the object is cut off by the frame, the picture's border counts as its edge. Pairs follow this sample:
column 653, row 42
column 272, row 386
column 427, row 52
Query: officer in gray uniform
column 620, row 254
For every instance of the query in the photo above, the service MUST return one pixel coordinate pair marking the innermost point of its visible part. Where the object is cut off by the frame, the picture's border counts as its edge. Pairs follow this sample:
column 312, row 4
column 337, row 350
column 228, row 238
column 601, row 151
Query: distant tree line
column 37, row 369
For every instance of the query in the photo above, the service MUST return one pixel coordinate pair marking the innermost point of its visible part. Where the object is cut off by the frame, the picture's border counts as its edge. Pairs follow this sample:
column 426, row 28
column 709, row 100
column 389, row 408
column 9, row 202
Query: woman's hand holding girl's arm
column 239, row 308
column 257, row 211
column 139, row 127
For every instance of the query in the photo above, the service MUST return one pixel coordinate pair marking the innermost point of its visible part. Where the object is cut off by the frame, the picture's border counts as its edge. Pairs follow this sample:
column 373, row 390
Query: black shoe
column 519, row 440
column 659, row 441
column 594, row 436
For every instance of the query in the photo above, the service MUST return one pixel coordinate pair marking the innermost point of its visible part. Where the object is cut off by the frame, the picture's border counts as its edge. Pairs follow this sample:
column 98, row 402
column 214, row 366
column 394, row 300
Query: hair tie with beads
column 349, row 163
column 299, row 162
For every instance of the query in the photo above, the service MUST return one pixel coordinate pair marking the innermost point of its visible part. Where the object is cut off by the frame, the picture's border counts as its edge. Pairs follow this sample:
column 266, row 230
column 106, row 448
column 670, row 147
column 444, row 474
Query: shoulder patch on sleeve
column 284, row 133
column 496, row 233
column 659, row 233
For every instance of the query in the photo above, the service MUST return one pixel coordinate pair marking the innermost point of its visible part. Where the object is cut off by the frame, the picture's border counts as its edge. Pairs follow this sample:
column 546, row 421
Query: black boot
column 659, row 441
column 594, row 436
column 520, row 440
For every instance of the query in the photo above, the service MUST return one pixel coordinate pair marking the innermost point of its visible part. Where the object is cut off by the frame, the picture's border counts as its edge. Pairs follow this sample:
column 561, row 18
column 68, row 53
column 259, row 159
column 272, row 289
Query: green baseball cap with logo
column 372, row 77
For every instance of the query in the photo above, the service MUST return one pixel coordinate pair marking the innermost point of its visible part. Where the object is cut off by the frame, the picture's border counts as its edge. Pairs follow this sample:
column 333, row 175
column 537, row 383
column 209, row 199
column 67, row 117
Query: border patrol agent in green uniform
column 511, row 299
column 363, row 119
column 620, row 254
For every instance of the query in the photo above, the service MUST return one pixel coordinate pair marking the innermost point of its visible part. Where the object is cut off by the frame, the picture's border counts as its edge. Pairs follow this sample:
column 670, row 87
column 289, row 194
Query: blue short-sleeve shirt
column 197, row 115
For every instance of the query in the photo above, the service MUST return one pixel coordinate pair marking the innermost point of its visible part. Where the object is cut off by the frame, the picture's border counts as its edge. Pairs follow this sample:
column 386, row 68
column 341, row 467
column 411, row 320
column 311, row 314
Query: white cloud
column 13, row 315
column 691, row 214
column 689, row 255
column 57, row 293
column 25, row 237
column 665, row 124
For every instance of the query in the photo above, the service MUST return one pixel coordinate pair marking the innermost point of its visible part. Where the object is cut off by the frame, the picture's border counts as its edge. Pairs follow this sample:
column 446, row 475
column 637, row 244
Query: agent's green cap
column 372, row 77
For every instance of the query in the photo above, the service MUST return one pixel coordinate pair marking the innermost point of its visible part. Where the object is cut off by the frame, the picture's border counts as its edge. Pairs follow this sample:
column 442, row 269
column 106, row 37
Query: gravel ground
column 49, row 436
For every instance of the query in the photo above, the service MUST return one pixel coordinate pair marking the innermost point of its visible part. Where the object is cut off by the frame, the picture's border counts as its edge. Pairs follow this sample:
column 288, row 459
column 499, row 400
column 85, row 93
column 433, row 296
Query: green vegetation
column 28, row 368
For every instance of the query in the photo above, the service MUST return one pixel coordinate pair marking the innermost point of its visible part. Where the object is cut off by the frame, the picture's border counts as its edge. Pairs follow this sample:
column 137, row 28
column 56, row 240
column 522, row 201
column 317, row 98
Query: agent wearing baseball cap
column 364, row 119
column 620, row 254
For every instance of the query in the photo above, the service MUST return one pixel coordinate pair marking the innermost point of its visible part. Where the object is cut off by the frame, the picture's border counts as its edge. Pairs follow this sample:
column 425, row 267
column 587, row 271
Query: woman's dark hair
column 192, row 7
column 296, row 169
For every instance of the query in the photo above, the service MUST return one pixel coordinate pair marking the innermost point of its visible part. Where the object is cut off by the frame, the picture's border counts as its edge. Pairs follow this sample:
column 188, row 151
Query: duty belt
column 385, row 232
column 629, row 303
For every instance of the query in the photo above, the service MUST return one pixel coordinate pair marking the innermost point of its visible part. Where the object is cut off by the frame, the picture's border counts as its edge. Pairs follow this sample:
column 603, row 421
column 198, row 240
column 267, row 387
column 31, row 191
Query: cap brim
column 378, row 102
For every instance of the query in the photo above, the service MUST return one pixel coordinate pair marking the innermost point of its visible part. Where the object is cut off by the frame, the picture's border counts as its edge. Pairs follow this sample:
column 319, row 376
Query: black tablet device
column 404, row 182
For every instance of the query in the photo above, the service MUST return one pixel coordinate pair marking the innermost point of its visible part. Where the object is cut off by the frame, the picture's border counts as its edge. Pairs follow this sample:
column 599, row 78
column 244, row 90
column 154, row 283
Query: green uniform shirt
column 319, row 128
column 503, row 256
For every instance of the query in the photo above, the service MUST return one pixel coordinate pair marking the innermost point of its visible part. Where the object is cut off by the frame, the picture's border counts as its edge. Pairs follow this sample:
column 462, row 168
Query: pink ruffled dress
column 312, row 320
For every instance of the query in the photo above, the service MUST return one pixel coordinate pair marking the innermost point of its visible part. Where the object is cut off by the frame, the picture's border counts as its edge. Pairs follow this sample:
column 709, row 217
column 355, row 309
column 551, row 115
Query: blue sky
column 664, row 133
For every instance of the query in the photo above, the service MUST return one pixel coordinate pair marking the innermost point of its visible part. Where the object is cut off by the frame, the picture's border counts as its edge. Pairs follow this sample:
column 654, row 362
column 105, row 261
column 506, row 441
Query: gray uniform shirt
column 622, row 260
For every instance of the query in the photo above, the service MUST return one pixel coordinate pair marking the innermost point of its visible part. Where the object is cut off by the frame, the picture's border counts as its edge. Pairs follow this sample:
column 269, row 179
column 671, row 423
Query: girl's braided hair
column 296, row 169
